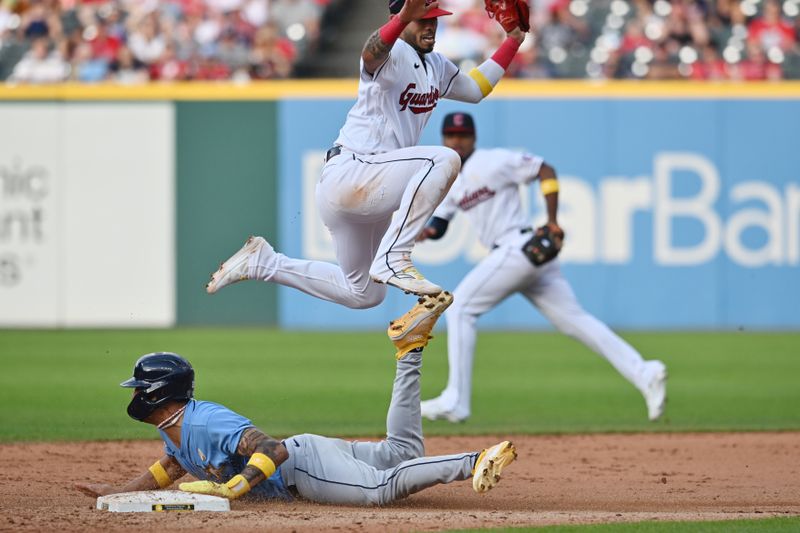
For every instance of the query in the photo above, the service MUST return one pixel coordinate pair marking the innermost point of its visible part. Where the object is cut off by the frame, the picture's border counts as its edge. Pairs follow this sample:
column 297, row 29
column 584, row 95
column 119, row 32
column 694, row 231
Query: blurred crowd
column 133, row 41
column 652, row 39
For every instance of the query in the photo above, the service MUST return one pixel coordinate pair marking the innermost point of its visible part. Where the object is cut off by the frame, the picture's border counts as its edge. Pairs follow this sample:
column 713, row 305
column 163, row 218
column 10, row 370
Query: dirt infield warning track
column 557, row 480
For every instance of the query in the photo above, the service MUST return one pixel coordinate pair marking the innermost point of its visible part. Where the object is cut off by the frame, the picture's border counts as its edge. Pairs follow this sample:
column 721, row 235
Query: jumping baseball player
column 521, row 261
column 231, row 457
column 375, row 168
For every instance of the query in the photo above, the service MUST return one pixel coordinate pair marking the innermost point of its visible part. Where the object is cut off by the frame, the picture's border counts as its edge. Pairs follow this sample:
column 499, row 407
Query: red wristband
column 505, row 53
column 390, row 31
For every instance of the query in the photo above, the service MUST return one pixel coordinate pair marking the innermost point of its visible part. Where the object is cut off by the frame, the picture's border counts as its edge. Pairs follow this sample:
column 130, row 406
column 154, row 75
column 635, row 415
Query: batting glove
column 234, row 488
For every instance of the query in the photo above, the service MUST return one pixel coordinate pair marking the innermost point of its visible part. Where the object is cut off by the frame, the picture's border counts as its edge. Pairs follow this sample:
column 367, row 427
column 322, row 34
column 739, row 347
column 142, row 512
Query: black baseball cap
column 458, row 123
column 396, row 5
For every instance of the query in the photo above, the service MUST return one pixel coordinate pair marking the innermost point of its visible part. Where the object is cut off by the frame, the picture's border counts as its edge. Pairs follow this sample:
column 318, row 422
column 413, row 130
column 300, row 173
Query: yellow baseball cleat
column 413, row 329
column 490, row 464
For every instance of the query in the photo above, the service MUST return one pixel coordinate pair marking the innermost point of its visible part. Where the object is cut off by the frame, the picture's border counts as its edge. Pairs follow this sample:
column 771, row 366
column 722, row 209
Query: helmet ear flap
column 140, row 407
column 158, row 379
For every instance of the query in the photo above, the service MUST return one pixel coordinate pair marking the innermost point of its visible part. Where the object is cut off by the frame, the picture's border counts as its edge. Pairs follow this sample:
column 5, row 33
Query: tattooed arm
column 265, row 455
column 379, row 44
column 153, row 479
column 254, row 441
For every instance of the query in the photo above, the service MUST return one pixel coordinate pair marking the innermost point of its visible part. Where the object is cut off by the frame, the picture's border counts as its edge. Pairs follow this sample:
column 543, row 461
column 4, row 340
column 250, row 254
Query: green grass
column 63, row 385
column 772, row 525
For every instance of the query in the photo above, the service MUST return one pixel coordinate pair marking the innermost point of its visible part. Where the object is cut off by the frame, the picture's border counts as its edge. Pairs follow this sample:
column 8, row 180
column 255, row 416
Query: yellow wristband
column 548, row 186
column 238, row 485
column 161, row 476
column 263, row 463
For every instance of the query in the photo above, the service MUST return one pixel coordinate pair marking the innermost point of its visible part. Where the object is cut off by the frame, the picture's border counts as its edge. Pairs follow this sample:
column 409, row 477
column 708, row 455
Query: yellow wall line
column 346, row 89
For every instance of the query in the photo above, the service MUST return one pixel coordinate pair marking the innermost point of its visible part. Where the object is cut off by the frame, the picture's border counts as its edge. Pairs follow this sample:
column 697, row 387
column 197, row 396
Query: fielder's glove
column 511, row 14
column 544, row 245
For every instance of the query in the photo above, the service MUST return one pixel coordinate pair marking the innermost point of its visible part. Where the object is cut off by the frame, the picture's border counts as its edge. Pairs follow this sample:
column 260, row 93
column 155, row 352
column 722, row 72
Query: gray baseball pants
column 329, row 470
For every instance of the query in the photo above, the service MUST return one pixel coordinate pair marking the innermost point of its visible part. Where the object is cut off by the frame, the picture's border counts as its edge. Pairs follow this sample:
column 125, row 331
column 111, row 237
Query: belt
column 333, row 152
column 522, row 231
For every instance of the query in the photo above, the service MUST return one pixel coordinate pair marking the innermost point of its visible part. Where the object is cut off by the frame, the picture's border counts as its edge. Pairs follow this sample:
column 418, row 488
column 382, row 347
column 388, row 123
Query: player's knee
column 409, row 450
column 452, row 162
column 372, row 296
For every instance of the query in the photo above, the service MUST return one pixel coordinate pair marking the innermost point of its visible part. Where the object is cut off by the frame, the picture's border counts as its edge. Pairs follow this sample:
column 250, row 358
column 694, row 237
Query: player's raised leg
column 425, row 174
column 347, row 283
column 403, row 420
column 556, row 300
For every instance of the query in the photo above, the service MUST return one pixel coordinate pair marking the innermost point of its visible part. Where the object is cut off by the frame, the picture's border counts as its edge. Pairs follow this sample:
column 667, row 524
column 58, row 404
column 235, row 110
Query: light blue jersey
column 210, row 434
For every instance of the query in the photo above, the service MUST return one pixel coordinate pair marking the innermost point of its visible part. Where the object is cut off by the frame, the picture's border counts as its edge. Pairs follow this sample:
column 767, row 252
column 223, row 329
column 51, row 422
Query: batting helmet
column 159, row 378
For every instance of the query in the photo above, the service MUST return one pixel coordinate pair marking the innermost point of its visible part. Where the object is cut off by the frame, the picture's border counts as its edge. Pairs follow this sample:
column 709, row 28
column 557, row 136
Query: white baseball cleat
column 434, row 409
column 410, row 281
column 655, row 389
column 490, row 464
column 236, row 267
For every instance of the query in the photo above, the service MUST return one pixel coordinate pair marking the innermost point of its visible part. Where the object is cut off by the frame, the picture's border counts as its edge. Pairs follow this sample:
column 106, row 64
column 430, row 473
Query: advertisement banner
column 87, row 209
column 679, row 214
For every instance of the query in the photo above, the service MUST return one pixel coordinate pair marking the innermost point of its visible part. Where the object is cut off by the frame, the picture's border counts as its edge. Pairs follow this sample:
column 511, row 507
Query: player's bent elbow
column 547, row 172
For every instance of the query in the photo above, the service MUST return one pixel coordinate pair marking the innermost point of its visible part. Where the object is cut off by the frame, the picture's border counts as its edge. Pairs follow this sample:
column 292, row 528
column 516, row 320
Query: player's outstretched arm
column 476, row 85
column 160, row 475
column 265, row 454
column 379, row 44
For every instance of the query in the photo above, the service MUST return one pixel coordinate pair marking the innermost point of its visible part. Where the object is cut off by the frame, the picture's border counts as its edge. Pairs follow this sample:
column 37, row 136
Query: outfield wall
column 681, row 202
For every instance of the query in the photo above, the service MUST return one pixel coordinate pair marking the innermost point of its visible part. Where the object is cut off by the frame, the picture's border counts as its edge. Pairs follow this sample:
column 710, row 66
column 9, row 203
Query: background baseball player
column 375, row 168
column 231, row 457
column 521, row 261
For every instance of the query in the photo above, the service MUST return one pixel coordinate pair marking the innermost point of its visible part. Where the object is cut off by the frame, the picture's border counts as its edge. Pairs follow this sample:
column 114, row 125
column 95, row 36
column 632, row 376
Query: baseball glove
column 544, row 245
column 511, row 14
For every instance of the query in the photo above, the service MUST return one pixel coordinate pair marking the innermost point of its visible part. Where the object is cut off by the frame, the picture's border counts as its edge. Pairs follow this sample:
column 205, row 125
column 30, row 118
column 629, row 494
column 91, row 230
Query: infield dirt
column 556, row 480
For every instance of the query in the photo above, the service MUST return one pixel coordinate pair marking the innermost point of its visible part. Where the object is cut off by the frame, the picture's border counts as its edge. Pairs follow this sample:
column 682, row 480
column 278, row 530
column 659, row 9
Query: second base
column 161, row 501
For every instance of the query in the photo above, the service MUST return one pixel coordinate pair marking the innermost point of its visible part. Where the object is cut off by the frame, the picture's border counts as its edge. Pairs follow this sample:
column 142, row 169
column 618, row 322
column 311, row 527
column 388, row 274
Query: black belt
column 333, row 152
column 521, row 231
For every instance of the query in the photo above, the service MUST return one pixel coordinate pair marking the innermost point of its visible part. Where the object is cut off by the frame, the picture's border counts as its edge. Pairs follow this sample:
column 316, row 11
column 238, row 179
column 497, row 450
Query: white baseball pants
column 505, row 271
column 356, row 197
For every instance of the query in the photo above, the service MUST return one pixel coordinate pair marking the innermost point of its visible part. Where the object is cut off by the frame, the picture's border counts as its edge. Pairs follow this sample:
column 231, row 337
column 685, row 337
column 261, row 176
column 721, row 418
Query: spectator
column 126, row 69
column 146, row 43
column 86, row 67
column 262, row 39
column 39, row 65
column 770, row 30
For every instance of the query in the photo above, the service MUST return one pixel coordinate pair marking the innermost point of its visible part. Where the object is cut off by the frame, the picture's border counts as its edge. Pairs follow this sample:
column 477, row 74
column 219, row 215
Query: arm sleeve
column 476, row 85
column 440, row 226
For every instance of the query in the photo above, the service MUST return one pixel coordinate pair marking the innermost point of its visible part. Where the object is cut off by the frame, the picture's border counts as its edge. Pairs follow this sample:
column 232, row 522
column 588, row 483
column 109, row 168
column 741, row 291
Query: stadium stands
column 133, row 41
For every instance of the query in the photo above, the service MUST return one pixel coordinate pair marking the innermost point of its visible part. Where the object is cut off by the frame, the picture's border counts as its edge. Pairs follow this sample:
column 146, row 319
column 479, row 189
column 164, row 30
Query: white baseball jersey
column 488, row 192
column 395, row 103
column 492, row 175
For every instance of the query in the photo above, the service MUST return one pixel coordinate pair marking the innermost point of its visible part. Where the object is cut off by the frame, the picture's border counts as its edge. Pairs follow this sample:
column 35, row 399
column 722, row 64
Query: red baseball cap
column 396, row 5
